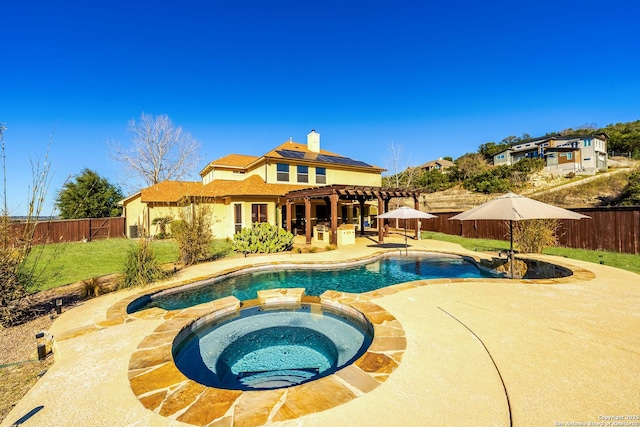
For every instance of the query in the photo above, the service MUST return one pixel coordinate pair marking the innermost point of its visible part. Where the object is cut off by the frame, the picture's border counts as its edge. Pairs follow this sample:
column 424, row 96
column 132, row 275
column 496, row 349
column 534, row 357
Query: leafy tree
column 471, row 164
column 490, row 149
column 434, row 180
column 631, row 192
column 624, row 138
column 88, row 196
column 160, row 151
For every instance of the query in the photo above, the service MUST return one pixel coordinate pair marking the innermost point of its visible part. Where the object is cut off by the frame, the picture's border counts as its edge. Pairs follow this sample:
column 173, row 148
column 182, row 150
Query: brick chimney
column 313, row 141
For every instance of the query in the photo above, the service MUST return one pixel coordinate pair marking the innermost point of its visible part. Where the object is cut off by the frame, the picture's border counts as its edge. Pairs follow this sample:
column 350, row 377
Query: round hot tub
column 265, row 347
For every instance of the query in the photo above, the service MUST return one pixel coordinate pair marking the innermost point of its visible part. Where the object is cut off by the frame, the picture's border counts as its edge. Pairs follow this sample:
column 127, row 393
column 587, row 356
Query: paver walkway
column 565, row 352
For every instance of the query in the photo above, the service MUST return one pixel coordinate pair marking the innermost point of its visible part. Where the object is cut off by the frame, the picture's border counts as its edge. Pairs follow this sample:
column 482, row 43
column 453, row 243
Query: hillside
column 576, row 192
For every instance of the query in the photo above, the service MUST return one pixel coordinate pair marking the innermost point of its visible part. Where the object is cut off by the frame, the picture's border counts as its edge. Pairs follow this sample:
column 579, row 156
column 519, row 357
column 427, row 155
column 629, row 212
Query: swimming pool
column 378, row 273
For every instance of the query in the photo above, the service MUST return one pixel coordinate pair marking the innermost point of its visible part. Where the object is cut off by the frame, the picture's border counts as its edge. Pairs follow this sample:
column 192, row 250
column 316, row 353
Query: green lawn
column 624, row 261
column 63, row 263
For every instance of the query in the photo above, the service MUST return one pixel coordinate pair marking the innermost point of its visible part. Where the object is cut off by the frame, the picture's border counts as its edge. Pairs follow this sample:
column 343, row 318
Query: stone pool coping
column 119, row 311
column 162, row 388
column 566, row 352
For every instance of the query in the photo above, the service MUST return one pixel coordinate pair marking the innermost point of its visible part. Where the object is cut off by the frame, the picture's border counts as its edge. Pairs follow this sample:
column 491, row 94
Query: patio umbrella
column 513, row 207
column 405, row 213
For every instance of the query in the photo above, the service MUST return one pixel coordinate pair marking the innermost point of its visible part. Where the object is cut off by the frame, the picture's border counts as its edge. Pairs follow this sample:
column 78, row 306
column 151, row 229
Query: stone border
column 119, row 311
column 162, row 388
column 118, row 314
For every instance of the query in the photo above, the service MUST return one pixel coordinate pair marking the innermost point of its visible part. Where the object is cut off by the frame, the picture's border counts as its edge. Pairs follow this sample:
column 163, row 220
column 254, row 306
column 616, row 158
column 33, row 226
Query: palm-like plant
column 161, row 222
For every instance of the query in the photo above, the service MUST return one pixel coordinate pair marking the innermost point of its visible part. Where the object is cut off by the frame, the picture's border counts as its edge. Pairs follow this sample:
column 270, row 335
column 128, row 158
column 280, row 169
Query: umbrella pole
column 511, row 242
column 406, row 245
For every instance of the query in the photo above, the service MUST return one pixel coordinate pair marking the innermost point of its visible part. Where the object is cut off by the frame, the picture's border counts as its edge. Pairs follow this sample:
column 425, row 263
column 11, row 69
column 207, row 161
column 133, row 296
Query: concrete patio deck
column 493, row 352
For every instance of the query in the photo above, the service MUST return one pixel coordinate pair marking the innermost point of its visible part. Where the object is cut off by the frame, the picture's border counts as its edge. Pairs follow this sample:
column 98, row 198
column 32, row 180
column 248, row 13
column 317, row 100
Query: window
column 283, row 172
column 321, row 175
column 303, row 173
column 569, row 155
column 501, row 156
column 237, row 217
column 259, row 212
column 587, row 142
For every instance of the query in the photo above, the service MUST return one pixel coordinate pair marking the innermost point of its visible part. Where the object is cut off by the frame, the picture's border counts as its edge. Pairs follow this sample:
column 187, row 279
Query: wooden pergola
column 331, row 194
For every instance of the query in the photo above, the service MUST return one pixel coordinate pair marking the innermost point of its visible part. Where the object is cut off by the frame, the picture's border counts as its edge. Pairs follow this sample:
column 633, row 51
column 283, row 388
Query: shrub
column 630, row 195
column 534, row 235
column 262, row 238
column 91, row 288
column 141, row 267
column 161, row 222
column 193, row 235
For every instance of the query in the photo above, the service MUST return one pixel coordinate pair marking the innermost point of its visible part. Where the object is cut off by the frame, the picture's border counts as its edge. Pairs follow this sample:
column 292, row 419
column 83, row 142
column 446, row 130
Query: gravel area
column 20, row 368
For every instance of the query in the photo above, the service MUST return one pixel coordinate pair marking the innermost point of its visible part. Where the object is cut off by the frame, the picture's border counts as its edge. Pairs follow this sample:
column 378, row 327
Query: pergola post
column 380, row 221
column 307, row 219
column 416, row 206
column 361, row 200
column 288, row 213
column 334, row 219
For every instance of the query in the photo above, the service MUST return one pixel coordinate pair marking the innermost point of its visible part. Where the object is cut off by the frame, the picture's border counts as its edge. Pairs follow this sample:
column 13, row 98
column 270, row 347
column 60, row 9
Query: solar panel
column 290, row 154
column 323, row 158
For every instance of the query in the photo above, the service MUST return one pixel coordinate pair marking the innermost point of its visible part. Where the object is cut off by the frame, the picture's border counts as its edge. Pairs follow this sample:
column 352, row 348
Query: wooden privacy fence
column 76, row 230
column 615, row 229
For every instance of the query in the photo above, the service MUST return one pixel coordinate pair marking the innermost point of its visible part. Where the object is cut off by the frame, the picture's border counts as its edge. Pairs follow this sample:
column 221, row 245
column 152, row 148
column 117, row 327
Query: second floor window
column 321, row 175
column 303, row 173
column 283, row 172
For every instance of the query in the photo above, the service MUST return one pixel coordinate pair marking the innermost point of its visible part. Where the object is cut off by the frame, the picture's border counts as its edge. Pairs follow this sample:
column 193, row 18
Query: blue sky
column 438, row 78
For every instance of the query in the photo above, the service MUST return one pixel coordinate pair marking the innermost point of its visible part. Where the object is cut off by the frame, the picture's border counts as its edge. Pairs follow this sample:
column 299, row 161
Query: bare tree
column 402, row 175
column 17, row 276
column 397, row 162
column 160, row 151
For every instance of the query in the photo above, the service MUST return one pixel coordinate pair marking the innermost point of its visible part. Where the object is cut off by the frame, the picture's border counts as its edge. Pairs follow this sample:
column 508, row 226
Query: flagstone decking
column 456, row 352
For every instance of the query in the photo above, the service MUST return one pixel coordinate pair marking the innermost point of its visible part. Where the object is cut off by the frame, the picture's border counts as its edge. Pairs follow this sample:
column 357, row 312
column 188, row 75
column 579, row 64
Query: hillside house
column 440, row 164
column 562, row 154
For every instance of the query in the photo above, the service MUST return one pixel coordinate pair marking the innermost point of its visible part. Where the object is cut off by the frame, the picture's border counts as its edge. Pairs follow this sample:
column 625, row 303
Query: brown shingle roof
column 254, row 185
column 236, row 160
column 170, row 191
column 173, row 191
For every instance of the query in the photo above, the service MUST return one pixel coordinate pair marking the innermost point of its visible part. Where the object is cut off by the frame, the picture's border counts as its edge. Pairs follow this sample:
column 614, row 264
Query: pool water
column 363, row 278
column 263, row 348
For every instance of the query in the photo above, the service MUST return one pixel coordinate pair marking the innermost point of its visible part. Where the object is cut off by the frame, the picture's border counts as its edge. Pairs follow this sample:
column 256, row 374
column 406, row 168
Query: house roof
column 251, row 186
column 174, row 191
column 292, row 150
column 170, row 191
column 231, row 161
column 434, row 163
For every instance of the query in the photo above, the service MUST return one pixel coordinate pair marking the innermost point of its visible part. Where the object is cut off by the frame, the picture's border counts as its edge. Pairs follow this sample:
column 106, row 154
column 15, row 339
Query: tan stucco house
column 243, row 189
